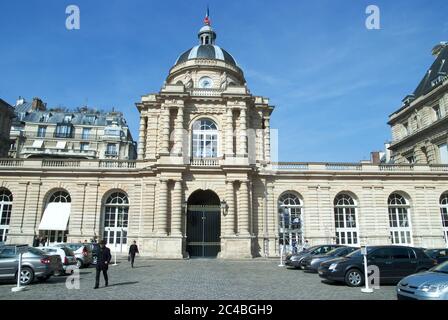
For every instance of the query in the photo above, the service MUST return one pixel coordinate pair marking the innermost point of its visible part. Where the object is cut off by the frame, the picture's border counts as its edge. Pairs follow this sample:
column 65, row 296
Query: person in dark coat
column 36, row 241
column 104, row 258
column 133, row 249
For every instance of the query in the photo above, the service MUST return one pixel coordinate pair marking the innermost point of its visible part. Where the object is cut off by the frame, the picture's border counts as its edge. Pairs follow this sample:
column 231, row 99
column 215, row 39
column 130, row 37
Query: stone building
column 38, row 132
column 204, row 183
column 6, row 115
column 420, row 126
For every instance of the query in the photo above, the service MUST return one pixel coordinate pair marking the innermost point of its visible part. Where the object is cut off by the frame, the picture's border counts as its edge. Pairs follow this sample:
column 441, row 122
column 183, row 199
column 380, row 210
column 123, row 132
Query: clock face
column 205, row 82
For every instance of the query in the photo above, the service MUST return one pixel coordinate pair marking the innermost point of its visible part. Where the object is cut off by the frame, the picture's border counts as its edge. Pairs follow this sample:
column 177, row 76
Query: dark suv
column 394, row 263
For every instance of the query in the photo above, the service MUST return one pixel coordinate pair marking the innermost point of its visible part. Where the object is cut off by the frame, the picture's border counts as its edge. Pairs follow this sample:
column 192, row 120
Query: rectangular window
column 86, row 133
column 111, row 149
column 64, row 131
column 443, row 153
column 41, row 131
column 437, row 112
column 410, row 159
column 84, row 146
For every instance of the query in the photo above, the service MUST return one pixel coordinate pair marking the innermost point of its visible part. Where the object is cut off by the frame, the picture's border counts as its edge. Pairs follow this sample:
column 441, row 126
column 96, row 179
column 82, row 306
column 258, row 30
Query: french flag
column 207, row 18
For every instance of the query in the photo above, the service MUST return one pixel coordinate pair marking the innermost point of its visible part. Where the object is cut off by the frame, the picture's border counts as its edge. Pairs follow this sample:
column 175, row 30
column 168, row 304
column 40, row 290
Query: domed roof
column 206, row 51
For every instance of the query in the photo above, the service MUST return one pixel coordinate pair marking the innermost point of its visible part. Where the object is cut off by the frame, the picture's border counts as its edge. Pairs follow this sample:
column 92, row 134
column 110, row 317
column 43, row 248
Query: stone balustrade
column 8, row 163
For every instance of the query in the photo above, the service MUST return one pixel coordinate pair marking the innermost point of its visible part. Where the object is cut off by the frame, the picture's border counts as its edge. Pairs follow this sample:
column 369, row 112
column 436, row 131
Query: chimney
column 375, row 157
column 37, row 104
column 20, row 101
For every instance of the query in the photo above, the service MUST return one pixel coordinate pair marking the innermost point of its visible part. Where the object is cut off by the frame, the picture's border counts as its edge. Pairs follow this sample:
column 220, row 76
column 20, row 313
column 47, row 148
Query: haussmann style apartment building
column 204, row 184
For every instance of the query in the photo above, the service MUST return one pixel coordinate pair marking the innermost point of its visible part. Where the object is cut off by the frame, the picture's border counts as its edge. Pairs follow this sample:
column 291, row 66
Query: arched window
column 399, row 220
column 5, row 213
column 290, row 222
column 116, row 209
column 205, row 139
column 55, row 219
column 60, row 196
column 345, row 220
column 444, row 213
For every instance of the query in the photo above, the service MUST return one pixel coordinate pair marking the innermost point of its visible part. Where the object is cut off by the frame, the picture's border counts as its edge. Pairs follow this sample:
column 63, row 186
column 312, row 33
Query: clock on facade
column 205, row 82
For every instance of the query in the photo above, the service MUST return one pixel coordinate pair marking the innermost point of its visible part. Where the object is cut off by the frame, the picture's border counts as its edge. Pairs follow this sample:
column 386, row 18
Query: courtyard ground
column 197, row 279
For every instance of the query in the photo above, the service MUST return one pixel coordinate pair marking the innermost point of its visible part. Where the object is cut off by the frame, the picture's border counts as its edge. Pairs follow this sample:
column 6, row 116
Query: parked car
column 441, row 255
column 312, row 263
column 82, row 253
column 296, row 259
column 394, row 263
column 429, row 285
column 35, row 264
column 67, row 256
column 93, row 247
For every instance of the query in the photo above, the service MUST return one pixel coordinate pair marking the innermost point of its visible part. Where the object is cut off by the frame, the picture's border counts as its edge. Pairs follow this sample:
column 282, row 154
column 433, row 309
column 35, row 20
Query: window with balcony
column 64, row 131
column 205, row 139
column 41, row 131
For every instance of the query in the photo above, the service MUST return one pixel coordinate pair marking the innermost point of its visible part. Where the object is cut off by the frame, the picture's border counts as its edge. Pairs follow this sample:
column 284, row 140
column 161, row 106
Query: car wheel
column 79, row 263
column 354, row 278
column 26, row 276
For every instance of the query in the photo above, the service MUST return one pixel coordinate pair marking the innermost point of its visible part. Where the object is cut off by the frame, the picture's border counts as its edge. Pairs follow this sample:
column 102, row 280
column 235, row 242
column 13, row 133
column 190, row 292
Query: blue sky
column 333, row 82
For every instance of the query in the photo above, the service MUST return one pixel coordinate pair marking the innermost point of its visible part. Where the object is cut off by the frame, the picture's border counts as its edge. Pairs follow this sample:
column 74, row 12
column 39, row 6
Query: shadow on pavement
column 136, row 267
column 123, row 283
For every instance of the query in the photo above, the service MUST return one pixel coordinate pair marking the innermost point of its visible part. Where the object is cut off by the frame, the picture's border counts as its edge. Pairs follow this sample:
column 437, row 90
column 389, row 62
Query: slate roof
column 435, row 74
column 206, row 51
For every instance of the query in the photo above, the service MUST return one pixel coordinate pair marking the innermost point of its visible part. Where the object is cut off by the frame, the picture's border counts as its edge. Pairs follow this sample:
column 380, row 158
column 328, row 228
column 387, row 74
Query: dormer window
column 68, row 118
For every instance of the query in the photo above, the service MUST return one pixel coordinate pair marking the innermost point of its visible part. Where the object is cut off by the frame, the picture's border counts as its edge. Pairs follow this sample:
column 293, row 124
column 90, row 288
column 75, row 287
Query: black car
column 440, row 255
column 394, row 263
column 296, row 259
column 312, row 263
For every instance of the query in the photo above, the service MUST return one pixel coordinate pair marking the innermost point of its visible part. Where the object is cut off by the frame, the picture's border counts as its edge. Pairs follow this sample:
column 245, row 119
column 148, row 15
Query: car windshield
column 431, row 253
column 443, row 267
column 74, row 246
column 335, row 252
column 36, row 251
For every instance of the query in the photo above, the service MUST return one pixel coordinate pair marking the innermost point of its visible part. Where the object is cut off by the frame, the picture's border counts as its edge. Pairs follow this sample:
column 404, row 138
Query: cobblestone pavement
column 196, row 279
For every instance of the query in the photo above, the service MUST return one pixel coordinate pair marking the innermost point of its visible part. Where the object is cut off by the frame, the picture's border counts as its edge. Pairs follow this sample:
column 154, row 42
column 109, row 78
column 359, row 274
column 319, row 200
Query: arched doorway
column 203, row 224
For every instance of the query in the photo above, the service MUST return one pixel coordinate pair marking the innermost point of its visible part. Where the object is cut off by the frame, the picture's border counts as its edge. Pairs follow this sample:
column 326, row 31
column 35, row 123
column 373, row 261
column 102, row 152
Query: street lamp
column 282, row 248
column 224, row 207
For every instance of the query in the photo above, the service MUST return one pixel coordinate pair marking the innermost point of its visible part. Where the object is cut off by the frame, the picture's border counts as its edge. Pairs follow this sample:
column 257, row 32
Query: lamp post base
column 367, row 290
column 18, row 289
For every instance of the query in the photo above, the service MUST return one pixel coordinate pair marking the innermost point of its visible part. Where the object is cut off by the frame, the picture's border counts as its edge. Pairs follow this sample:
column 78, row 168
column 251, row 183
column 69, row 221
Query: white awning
column 61, row 145
column 55, row 216
column 38, row 143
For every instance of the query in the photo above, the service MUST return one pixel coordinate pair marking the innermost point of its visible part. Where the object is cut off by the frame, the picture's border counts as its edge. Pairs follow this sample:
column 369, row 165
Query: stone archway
column 203, row 224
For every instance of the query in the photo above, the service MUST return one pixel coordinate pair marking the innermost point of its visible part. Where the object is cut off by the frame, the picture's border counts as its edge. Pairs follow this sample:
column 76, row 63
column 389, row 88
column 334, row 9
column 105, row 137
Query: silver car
column 429, row 285
column 35, row 264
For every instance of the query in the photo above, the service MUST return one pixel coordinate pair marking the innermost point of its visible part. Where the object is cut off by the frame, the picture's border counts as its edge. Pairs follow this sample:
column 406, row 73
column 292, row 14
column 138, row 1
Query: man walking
column 133, row 249
column 104, row 258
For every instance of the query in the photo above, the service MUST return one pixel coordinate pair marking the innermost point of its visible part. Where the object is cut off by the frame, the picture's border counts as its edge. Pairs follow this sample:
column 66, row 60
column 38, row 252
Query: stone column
column 176, row 214
column 243, row 132
column 161, row 218
column 230, row 218
column 179, row 131
column 142, row 137
column 243, row 210
column 267, row 140
column 229, row 133
column 165, row 141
